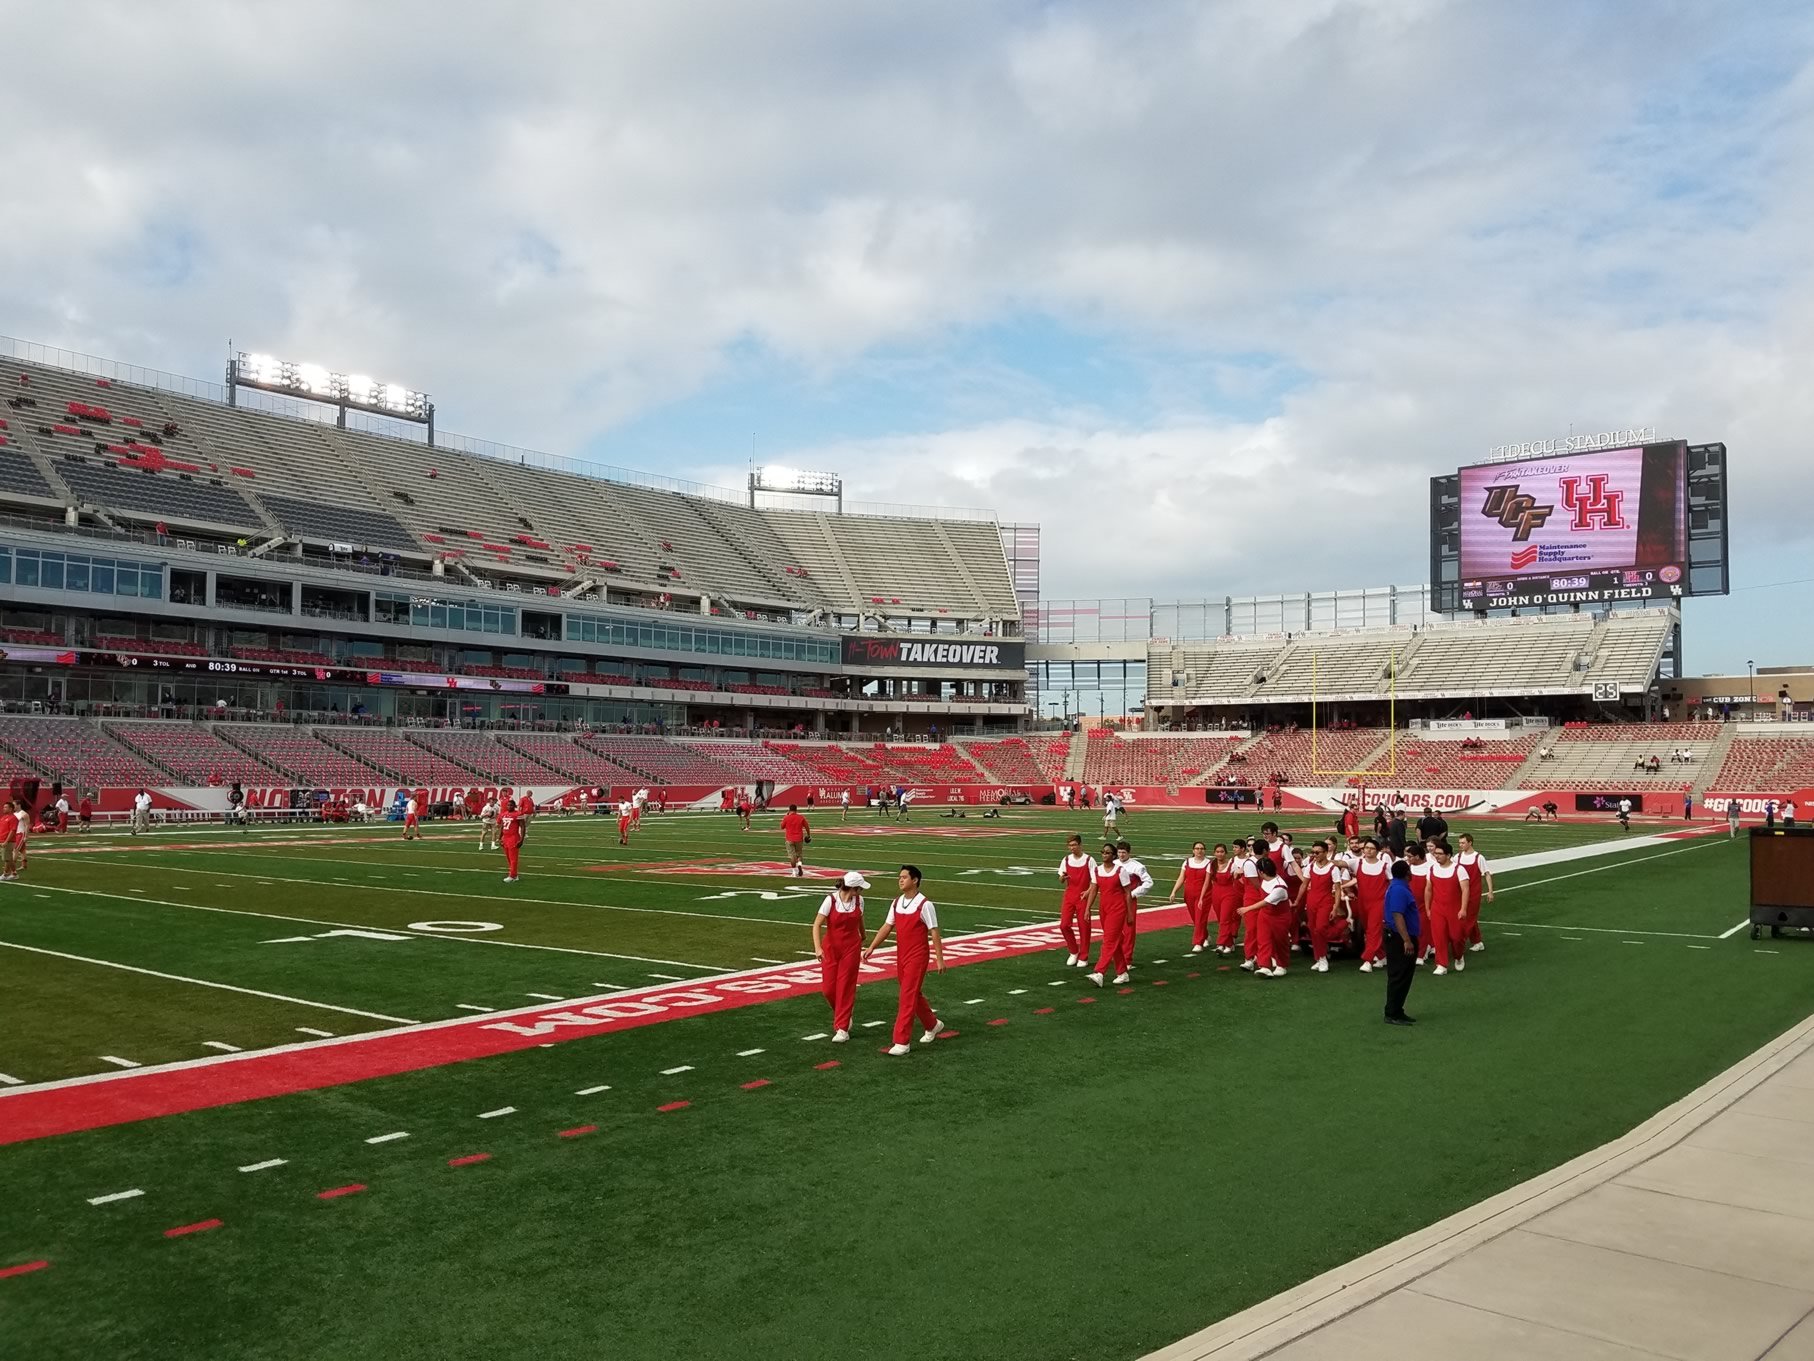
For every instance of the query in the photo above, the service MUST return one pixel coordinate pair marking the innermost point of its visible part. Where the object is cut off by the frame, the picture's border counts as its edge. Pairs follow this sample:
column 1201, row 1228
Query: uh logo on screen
column 1586, row 498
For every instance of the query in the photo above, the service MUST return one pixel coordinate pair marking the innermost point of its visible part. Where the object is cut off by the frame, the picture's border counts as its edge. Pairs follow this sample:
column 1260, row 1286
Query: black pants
column 1401, row 969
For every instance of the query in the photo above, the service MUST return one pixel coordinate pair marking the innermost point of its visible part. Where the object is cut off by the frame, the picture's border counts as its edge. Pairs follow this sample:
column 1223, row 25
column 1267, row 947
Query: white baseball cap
column 854, row 880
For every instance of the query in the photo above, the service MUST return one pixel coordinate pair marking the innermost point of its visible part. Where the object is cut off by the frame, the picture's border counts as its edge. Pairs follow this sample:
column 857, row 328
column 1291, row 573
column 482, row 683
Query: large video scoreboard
column 1581, row 527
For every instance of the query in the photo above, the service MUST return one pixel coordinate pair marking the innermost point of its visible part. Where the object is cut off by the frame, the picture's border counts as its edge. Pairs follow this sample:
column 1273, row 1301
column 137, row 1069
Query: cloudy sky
column 1208, row 290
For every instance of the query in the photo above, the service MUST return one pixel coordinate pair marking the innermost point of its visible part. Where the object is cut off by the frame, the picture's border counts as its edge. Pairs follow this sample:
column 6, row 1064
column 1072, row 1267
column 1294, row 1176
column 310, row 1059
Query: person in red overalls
column 1269, row 920
column 510, row 835
column 914, row 922
column 838, row 942
column 1372, row 875
column 1449, row 902
column 1192, row 889
column 1111, row 916
column 1224, row 899
column 1480, row 885
column 1248, row 877
column 1077, row 872
column 1137, row 883
column 1324, row 899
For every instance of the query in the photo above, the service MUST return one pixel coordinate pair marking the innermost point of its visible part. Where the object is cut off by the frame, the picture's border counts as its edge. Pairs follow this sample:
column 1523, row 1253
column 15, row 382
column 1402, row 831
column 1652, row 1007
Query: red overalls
column 1470, row 860
column 1319, row 903
column 1196, row 899
column 1074, row 916
column 842, row 943
column 1370, row 880
column 1251, row 893
column 1111, row 911
column 912, row 952
column 1275, row 944
column 1445, row 911
column 1224, row 898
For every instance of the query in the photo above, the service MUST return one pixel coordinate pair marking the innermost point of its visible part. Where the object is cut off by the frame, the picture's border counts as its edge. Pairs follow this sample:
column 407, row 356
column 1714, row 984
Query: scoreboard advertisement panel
column 1605, row 526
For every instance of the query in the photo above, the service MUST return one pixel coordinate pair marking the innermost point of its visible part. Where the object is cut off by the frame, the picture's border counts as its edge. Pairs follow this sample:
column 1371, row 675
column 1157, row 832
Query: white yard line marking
column 1766, row 952
column 546, row 996
column 223, row 1046
column 501, row 1110
column 117, row 1195
column 868, row 1024
column 1733, row 931
column 750, row 1053
column 591, row 1091
column 119, row 1062
column 760, row 960
column 1016, row 992
column 615, row 987
column 670, row 1072
column 1057, row 983
column 388, row 1138
column 310, row 1030
column 1576, row 939
column 6, row 1080
column 972, row 1001
column 808, row 953
column 819, row 1036
column 1511, row 933
column 471, row 1006
column 1603, row 930
column 266, row 1165
column 1700, row 947
column 670, row 977
column 206, row 983
column 424, row 935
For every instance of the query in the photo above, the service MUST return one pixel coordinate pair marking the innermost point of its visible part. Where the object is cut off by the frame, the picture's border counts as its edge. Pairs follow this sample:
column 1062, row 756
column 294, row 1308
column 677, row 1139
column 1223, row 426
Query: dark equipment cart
column 1782, row 879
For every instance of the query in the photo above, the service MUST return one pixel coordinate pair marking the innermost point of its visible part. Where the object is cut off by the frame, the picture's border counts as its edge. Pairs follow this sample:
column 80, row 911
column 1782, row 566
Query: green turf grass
column 1092, row 1182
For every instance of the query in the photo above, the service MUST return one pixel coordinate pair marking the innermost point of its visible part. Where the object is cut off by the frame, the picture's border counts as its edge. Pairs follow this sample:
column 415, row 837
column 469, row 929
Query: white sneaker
column 1460, row 964
column 1321, row 966
column 1247, row 964
column 1278, row 971
column 899, row 1049
column 839, row 1036
column 1379, row 961
column 933, row 1033
column 1438, row 972
column 1095, row 978
column 1366, row 966
column 1083, row 961
column 510, row 878
column 1476, row 947
column 1070, row 960
column 1121, row 978
column 1196, row 949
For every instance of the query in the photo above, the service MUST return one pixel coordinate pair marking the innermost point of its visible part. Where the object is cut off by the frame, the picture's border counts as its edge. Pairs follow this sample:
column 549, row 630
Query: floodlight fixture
column 318, row 383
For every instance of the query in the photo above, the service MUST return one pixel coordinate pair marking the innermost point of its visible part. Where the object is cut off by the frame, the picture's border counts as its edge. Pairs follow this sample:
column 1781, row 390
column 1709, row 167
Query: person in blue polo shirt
column 1402, row 930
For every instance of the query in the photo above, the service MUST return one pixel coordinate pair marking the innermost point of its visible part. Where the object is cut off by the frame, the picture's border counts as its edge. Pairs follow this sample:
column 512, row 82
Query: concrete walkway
column 1692, row 1238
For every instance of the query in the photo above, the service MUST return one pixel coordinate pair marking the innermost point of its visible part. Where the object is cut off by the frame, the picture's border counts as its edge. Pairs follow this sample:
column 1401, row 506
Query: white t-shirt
column 1278, row 892
column 1624, row 805
column 142, row 802
column 927, row 913
column 489, row 812
column 1135, row 878
column 1076, row 862
column 1474, row 862
column 409, row 809
column 833, row 903
column 63, row 808
column 1788, row 809
column 844, row 798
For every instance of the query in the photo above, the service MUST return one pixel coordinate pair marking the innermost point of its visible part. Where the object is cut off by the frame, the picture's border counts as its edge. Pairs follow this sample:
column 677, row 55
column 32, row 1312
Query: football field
column 324, row 1093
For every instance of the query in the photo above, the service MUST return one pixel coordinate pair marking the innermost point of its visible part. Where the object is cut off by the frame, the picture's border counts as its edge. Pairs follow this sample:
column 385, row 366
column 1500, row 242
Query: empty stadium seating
column 757, row 761
column 494, row 760
column 1110, row 759
column 1606, row 755
column 400, row 758
column 194, row 754
column 77, row 753
column 579, row 762
column 1447, row 765
column 1770, row 761
column 660, row 760
column 301, row 755
column 1010, row 761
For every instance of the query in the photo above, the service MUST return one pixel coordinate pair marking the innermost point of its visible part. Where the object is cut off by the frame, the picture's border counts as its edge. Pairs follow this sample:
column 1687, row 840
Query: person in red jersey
column 85, row 812
column 1224, row 899
column 838, row 942
column 1450, row 900
column 1077, row 872
column 914, row 922
column 1192, row 889
column 744, row 807
column 795, row 833
column 1111, row 916
column 626, row 819
column 1350, row 823
column 1324, row 899
column 14, row 823
column 511, row 820
column 1480, row 875
column 1372, row 876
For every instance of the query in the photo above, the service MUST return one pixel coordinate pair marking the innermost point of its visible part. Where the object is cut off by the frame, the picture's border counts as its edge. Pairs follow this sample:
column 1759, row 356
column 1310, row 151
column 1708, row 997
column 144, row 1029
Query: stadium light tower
column 1751, row 671
column 317, row 383
column 794, row 482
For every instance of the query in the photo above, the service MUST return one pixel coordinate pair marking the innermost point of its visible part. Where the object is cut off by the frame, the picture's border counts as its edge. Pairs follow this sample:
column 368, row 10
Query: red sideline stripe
column 999, row 1020
column 352, row 1190
column 1085, row 1001
column 759, row 1082
column 1044, row 1011
column 578, row 1130
column 829, row 1063
column 21, row 1269
column 948, row 1034
column 1193, row 975
column 468, row 1159
column 202, row 1226
column 1124, row 991
column 1158, row 982
column 36, row 1112
column 673, row 1106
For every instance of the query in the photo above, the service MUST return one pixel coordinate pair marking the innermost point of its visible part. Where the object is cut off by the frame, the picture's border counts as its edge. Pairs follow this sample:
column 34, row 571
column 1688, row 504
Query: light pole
column 1751, row 671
